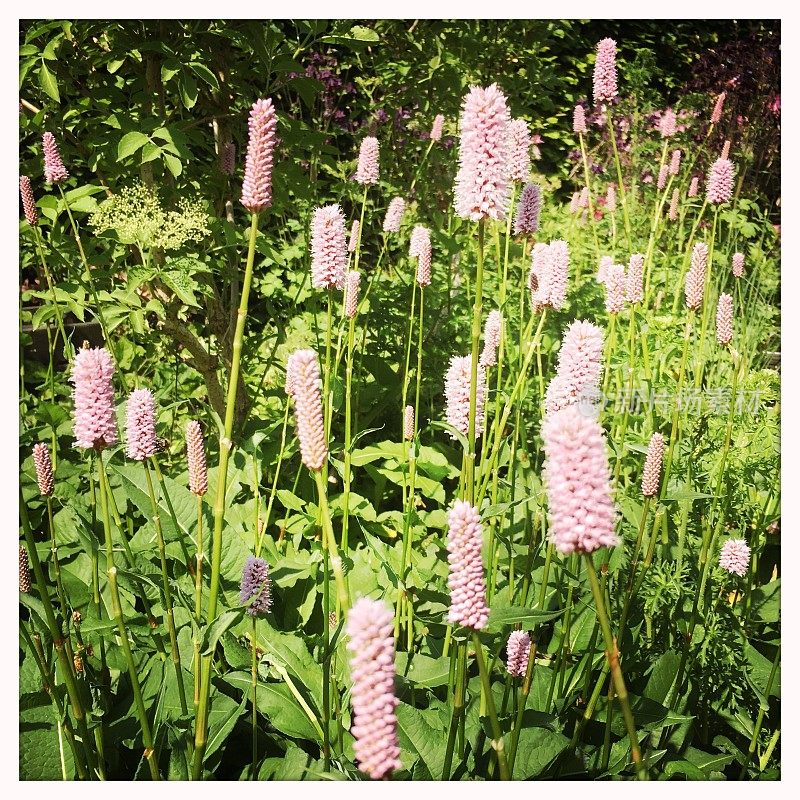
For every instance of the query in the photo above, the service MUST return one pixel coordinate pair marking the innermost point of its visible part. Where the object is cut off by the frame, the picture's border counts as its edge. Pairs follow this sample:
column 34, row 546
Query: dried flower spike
column 716, row 113
column 465, row 578
column 196, row 457
column 44, row 469
column 24, row 571
column 28, row 202
column 353, row 242
column 611, row 198
column 227, row 158
column 673, row 206
column 408, row 423
column 257, row 184
column 528, row 210
column 255, row 587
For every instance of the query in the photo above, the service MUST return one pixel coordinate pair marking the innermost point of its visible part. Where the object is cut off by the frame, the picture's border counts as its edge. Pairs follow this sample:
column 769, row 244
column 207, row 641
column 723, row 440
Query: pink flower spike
column 196, row 457
column 719, row 186
column 491, row 338
column 605, row 71
column 662, row 177
column 408, row 423
column 354, row 231
column 694, row 287
column 95, row 415
column 725, row 319
column 328, row 248
column 141, row 425
column 667, row 124
column 257, row 184
column 651, row 474
column 394, row 215
column 424, row 263
column 693, row 187
column 44, row 469
column 726, row 149
column 602, row 268
column 466, row 579
column 456, row 390
column 611, row 198
column 420, row 238
column 615, row 288
column 519, row 146
column 583, row 199
column 634, row 291
column 227, row 158
column 675, row 162
column 716, row 113
column 482, row 188
column 673, row 206
column 351, row 292
column 579, row 120
column 370, row 633
column 734, row 557
column 737, row 263
column 580, row 362
column 556, row 274
column 528, row 210
column 28, row 202
column 577, row 480
column 305, row 384
column 436, row 128
column 54, row 169
column 574, row 206
column 368, row 162
column 518, row 650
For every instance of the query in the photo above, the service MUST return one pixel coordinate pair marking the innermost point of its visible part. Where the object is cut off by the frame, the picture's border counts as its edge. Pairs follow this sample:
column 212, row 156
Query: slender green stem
column 198, row 598
column 497, row 741
column 51, row 286
column 254, row 701
column 458, row 709
column 763, row 708
column 622, row 192
column 592, row 223
column 473, row 386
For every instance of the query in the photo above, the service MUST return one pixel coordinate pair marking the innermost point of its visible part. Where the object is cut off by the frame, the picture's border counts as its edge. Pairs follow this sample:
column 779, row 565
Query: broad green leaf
column 130, row 143
column 422, row 736
column 537, row 749
column 48, row 83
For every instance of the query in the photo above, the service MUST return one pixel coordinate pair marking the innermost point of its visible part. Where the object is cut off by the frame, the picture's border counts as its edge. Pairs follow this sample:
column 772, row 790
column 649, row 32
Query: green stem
column 254, row 682
column 473, row 386
column 198, row 598
column 497, row 741
column 622, row 192
column 458, row 709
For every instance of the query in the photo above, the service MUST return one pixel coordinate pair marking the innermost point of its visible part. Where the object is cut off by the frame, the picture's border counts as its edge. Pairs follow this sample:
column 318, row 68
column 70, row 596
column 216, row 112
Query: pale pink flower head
column 734, row 557
column 634, row 290
column 663, row 173
column 466, row 579
column 579, row 120
column 611, row 198
column 227, row 158
column 675, row 162
column 528, row 210
column 370, row 633
column 368, row 162
column 651, row 474
column 719, row 186
column 328, row 248
column 305, row 385
column 693, row 187
column 725, row 319
column 577, row 481
column 420, row 238
column 602, row 268
column 615, row 288
column 673, row 206
column 579, row 367
column 539, row 266
column 394, row 215
column 519, row 146
column 553, row 277
column 408, row 423
column 54, row 169
column 726, row 149
column 737, row 263
column 518, row 650
column 28, row 203
column 605, row 71
column 667, row 125
column 44, row 469
column 436, row 128
column 289, row 384
column 353, row 241
column 583, row 198
column 716, row 113
column 491, row 338
column 694, row 286
column 257, row 184
column 196, row 457
column 351, row 292
column 482, row 188
column 457, row 384
column 140, row 427
column 95, row 417
column 424, row 263
column 574, row 206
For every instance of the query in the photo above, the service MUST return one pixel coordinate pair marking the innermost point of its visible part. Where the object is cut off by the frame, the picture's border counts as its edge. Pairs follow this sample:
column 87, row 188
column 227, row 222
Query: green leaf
column 662, row 676
column 536, row 750
column 182, row 284
column 224, row 622
column 205, row 74
column 499, row 618
column 422, row 670
column 173, row 164
column 130, row 143
column 363, row 34
column 48, row 83
column 422, row 736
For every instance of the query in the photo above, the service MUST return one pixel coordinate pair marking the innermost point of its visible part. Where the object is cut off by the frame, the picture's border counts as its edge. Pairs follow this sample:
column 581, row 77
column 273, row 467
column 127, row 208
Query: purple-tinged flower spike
column 719, row 186
column 482, row 188
column 353, row 241
column 675, row 162
column 574, row 203
column 694, row 186
column 615, row 288
column 424, row 263
column 44, row 469
column 651, row 474
column 328, row 248
column 305, row 385
column 456, row 391
column 519, row 150
column 28, row 203
column 140, row 427
column 518, row 650
column 408, row 423
column 528, row 210
column 436, row 128
column 394, row 215
column 227, row 158
column 583, row 198
column 726, row 149
column 662, row 176
column 716, row 113
column 579, row 366
column 254, row 588
column 605, row 71
column 95, row 417
column 668, row 124
column 694, row 286
column 54, row 169
column 368, row 162
column 579, row 120
column 196, row 457
column 611, row 198
column 673, row 206
column 602, row 268
column 734, row 557
column 466, row 579
column 420, row 237
column 370, row 633
column 577, row 480
column 737, row 264
column 553, row 283
column 24, row 571
column 634, row 290
column 257, row 184
column 351, row 292
column 725, row 319
column 491, row 338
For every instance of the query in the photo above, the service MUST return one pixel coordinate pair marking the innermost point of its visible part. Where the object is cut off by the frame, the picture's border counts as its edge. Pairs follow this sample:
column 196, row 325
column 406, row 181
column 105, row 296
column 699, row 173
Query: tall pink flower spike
column 466, row 579
column 28, row 202
column 651, row 474
column 368, row 170
column 673, row 206
column 95, row 415
column 370, row 633
column 436, row 128
column 352, row 243
column 257, row 183
column 734, row 557
column 394, row 215
column 518, row 650
column 140, row 427
column 611, row 198
column 663, row 173
column 456, row 390
column 44, row 469
column 667, row 124
column 634, row 290
column 54, row 169
column 579, row 367
column 716, row 113
column 602, row 268
column 491, row 338
column 725, row 320
column 615, row 288
column 196, row 458
column 605, row 71
column 351, row 292
column 737, row 264
column 519, row 147
column 424, row 262
column 420, row 236
column 675, row 162
column 694, row 287
column 579, row 120
column 719, row 186
column 482, row 187
column 693, row 187
column 305, row 390
column 577, row 480
column 328, row 248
